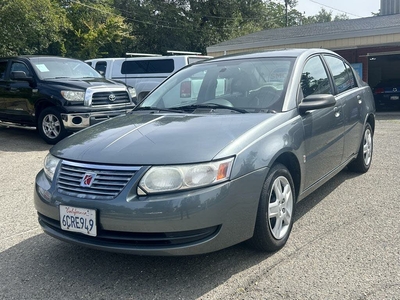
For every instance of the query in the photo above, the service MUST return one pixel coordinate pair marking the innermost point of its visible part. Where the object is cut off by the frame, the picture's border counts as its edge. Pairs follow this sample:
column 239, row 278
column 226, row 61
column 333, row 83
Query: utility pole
column 286, row 10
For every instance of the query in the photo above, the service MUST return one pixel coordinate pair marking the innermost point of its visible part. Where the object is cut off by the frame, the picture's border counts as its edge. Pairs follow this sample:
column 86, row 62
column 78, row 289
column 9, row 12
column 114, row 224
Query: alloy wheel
column 280, row 208
column 367, row 147
column 51, row 126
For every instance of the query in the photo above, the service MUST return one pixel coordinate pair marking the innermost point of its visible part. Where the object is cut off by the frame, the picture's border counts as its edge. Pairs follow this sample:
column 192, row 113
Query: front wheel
column 275, row 211
column 363, row 161
column 50, row 126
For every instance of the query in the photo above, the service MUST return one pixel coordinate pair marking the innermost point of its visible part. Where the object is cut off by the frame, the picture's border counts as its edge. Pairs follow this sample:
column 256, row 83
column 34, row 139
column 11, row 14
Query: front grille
column 108, row 181
column 134, row 239
column 103, row 98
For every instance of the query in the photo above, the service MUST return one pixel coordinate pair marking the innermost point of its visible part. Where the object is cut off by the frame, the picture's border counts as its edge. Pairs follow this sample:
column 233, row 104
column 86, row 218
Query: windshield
column 247, row 84
column 57, row 68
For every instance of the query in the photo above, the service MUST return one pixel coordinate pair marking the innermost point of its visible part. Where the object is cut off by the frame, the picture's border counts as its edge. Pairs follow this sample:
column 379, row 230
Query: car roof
column 273, row 53
column 149, row 57
column 29, row 57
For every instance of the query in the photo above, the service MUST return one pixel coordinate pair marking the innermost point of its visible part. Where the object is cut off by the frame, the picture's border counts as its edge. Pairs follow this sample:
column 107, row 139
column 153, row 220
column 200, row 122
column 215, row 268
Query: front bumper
column 186, row 223
column 77, row 121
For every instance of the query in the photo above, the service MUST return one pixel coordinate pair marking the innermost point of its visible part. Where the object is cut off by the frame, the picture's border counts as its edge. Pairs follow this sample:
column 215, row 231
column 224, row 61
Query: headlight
column 132, row 92
column 175, row 178
column 73, row 95
column 50, row 165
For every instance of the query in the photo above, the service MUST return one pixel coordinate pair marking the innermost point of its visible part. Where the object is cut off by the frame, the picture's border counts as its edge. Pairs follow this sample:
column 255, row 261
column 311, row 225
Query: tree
column 193, row 25
column 277, row 17
column 31, row 26
column 97, row 29
column 324, row 16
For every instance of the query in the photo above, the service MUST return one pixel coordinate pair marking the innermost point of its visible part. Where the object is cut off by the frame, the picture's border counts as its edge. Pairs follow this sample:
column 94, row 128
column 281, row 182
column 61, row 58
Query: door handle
column 359, row 99
column 336, row 111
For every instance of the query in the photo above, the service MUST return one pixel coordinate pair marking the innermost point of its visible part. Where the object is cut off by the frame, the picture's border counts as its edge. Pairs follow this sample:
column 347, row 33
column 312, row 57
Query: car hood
column 82, row 83
column 147, row 139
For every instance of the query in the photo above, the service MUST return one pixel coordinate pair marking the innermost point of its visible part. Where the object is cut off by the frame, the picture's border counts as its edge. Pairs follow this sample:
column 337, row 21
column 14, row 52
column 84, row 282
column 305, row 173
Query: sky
column 353, row 8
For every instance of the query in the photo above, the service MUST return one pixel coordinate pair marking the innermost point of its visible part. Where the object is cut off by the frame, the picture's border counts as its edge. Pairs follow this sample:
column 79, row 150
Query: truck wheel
column 50, row 126
column 275, row 211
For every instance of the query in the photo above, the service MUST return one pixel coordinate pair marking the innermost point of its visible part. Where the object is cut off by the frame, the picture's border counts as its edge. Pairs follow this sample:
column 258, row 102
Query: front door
column 324, row 128
column 17, row 100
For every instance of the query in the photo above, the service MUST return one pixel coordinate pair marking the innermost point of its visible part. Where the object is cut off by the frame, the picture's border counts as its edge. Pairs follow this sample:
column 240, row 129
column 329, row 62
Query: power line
column 342, row 11
column 128, row 18
column 159, row 22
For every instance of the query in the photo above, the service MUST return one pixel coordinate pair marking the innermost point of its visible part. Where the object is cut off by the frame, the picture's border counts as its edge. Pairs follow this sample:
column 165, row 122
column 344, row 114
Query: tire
column 50, row 126
column 364, row 157
column 275, row 211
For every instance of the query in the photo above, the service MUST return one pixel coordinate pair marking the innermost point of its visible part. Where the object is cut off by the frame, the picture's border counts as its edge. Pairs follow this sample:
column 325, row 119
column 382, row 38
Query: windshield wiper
column 57, row 77
column 158, row 109
column 267, row 110
column 211, row 105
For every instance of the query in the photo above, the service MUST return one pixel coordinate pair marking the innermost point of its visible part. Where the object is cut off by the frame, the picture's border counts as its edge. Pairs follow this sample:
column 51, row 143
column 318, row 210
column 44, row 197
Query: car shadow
column 322, row 192
column 42, row 267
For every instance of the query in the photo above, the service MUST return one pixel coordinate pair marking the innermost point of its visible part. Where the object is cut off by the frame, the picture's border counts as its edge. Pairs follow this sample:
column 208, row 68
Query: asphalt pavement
column 345, row 242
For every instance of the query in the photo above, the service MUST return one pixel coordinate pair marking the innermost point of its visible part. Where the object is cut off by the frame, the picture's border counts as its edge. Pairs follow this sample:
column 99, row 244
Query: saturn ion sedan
column 218, row 154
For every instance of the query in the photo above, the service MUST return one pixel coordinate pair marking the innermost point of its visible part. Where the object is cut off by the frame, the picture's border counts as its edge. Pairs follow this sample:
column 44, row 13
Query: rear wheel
column 275, row 211
column 50, row 126
column 363, row 161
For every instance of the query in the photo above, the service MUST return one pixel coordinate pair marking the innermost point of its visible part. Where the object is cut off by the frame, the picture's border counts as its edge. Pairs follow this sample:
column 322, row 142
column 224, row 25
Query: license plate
column 394, row 97
column 76, row 219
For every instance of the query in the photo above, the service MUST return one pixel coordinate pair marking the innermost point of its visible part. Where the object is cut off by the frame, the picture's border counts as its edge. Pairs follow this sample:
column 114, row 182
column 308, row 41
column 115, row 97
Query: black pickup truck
column 58, row 95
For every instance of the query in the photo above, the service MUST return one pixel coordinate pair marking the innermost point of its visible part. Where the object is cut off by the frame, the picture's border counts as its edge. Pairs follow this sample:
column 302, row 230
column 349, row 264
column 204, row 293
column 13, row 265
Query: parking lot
column 345, row 242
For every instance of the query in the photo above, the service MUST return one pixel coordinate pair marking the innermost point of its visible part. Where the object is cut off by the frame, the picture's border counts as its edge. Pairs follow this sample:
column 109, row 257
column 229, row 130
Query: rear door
column 348, row 93
column 323, row 127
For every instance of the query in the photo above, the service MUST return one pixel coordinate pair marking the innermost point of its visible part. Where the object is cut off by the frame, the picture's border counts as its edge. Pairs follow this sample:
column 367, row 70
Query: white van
column 142, row 73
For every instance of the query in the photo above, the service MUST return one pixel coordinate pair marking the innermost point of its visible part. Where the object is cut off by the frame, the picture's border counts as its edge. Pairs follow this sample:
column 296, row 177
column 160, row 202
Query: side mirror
column 20, row 75
column 317, row 101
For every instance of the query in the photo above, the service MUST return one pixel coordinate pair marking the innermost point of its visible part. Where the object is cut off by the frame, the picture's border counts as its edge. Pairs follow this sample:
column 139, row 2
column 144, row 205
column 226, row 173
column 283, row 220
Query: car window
column 147, row 66
column 101, row 67
column 341, row 75
column 3, row 67
column 352, row 79
column 18, row 66
column 194, row 59
column 314, row 79
column 247, row 84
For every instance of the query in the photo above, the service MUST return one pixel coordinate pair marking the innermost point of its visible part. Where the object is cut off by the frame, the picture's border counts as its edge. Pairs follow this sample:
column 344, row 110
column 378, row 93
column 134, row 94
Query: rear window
column 147, row 66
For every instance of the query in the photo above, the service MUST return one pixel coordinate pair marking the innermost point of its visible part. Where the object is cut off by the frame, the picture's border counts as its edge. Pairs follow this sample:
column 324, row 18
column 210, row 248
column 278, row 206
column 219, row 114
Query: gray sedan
column 218, row 154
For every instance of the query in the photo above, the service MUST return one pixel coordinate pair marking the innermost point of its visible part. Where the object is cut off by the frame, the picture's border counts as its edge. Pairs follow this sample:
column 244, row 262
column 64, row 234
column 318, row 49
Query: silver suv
column 142, row 73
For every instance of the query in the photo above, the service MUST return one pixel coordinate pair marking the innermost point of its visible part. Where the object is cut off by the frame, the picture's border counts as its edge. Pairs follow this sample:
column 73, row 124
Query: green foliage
column 31, row 26
column 106, row 28
column 324, row 16
column 193, row 25
column 276, row 17
column 96, row 29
